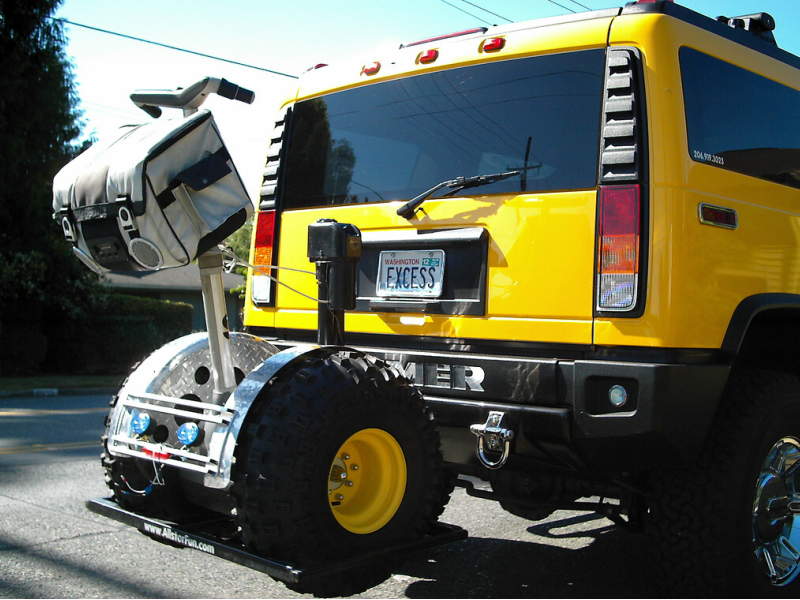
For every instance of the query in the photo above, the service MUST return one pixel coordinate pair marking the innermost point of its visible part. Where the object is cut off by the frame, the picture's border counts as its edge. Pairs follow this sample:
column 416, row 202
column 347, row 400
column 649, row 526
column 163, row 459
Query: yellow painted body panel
column 541, row 251
column 540, row 273
column 521, row 40
column 697, row 274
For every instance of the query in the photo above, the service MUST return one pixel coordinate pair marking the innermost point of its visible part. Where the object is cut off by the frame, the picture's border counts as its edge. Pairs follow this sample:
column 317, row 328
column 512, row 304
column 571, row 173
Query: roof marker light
column 428, row 56
column 371, row 68
column 492, row 44
column 445, row 36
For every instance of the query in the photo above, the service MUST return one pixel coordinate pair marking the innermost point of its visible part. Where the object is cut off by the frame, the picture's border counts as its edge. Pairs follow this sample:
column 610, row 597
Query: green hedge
column 121, row 330
column 23, row 344
column 170, row 319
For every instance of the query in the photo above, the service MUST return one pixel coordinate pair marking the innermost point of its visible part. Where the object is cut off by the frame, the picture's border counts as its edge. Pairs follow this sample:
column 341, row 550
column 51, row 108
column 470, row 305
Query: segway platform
column 216, row 537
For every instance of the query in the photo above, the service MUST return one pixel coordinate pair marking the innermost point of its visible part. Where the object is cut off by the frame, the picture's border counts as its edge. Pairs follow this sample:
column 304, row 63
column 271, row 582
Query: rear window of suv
column 396, row 139
column 741, row 121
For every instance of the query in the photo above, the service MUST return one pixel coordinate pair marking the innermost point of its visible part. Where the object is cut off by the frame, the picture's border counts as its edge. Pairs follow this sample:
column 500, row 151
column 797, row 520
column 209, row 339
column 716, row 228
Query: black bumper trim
column 673, row 412
column 560, row 408
column 543, row 411
column 542, row 422
column 507, row 348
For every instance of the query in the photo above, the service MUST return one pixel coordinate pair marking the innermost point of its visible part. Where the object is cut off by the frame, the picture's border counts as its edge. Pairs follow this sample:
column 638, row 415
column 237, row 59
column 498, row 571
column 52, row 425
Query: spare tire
column 341, row 457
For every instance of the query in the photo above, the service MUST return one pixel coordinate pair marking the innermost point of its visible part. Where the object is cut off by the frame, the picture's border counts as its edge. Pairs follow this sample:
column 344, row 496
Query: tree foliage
column 239, row 242
column 39, row 122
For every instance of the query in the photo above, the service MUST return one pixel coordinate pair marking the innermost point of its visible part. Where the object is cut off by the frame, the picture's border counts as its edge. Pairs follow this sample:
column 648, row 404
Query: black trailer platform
column 213, row 537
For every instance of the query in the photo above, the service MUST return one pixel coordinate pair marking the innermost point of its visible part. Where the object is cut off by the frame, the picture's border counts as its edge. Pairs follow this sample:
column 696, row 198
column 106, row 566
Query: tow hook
column 495, row 438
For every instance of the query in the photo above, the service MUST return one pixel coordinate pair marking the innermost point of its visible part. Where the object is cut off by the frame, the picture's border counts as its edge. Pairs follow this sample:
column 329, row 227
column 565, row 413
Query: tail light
column 262, row 256
column 618, row 262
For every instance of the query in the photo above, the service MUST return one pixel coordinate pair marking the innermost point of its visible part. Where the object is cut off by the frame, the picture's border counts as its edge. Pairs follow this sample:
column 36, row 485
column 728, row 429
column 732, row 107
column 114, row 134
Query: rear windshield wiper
column 459, row 183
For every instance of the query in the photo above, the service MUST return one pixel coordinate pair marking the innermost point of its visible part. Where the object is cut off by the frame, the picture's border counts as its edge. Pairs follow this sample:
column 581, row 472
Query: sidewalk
column 59, row 385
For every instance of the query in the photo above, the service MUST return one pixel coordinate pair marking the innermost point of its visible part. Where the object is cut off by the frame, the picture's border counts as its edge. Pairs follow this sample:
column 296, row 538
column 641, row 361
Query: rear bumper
column 667, row 416
column 560, row 409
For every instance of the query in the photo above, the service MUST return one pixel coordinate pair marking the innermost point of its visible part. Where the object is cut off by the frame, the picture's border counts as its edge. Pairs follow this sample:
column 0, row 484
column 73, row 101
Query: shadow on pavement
column 56, row 563
column 10, row 464
column 546, row 529
column 614, row 564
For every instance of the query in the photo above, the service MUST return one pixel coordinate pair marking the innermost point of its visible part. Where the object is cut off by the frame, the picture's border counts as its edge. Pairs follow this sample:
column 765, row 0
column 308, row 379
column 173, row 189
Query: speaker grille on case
column 145, row 253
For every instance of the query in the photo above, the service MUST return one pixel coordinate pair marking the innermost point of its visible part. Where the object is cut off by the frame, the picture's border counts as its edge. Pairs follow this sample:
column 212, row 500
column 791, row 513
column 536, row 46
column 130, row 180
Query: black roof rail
column 760, row 24
column 736, row 32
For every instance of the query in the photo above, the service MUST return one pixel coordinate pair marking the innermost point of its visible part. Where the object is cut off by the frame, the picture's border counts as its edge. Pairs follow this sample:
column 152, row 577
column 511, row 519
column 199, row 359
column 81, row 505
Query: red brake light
column 428, row 56
column 265, row 235
column 618, row 263
column 371, row 68
column 492, row 44
column 263, row 243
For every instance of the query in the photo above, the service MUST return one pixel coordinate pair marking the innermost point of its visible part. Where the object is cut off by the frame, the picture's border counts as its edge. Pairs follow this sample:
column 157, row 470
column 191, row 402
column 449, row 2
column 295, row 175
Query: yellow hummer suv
column 580, row 243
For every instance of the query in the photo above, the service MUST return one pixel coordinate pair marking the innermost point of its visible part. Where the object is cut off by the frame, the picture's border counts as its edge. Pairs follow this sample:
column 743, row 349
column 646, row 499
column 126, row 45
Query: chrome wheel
column 776, row 512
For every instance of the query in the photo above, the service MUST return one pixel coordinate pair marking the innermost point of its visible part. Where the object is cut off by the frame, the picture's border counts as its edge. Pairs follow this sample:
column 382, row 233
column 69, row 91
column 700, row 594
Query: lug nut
column 342, row 475
column 339, row 497
column 348, row 483
column 354, row 467
column 345, row 456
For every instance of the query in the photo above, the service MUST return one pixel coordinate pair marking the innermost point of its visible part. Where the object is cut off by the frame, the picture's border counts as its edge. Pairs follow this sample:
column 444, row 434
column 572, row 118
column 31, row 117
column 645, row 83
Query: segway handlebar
column 191, row 97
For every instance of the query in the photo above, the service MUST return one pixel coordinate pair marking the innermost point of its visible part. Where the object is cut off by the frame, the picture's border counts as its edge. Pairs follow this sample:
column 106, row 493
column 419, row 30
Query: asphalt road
column 51, row 546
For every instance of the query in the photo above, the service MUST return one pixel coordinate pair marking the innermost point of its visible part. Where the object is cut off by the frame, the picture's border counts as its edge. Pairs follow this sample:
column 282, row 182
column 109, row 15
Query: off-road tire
column 284, row 455
column 700, row 517
column 129, row 479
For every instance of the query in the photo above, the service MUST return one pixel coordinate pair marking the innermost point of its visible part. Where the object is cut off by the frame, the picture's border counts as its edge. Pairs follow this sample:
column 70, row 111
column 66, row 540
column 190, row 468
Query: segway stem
column 216, row 313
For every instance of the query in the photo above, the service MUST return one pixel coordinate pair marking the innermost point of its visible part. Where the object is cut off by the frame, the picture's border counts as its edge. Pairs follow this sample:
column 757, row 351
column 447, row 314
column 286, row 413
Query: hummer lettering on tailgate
column 438, row 375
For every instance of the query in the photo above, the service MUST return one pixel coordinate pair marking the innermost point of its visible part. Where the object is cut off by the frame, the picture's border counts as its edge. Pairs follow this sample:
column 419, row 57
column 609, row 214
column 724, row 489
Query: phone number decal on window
column 714, row 159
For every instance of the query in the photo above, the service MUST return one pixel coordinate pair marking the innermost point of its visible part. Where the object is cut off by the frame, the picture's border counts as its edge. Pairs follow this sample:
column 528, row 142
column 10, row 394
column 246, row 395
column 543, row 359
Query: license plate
column 410, row 273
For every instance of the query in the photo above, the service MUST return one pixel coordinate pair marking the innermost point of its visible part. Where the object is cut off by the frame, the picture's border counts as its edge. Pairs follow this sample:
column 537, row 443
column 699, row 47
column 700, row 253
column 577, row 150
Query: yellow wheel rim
column 367, row 481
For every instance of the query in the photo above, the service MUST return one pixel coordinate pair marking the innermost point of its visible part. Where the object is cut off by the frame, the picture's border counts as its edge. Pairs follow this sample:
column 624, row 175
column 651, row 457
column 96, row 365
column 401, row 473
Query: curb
column 42, row 392
column 92, row 391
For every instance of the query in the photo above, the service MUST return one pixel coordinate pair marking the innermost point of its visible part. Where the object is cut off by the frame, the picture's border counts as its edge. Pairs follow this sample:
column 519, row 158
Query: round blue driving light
column 188, row 433
column 140, row 423
column 617, row 395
